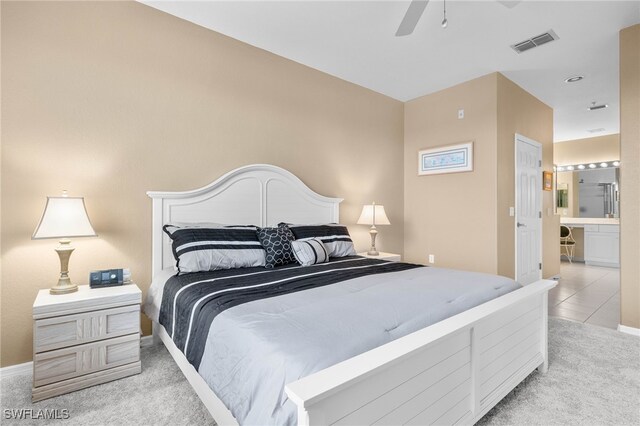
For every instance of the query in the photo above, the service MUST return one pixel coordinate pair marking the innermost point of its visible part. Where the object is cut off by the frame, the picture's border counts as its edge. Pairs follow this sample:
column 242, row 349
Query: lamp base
column 64, row 285
column 374, row 233
column 58, row 289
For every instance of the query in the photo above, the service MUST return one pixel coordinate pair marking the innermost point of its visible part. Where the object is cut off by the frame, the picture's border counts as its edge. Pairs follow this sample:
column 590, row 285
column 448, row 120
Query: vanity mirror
column 588, row 190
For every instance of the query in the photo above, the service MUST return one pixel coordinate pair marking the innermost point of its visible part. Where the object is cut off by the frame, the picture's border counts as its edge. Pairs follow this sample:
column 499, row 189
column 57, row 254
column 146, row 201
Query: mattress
column 252, row 349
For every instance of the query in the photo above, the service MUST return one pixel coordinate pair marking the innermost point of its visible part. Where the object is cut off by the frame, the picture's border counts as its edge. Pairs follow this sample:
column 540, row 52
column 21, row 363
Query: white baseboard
column 629, row 330
column 16, row 370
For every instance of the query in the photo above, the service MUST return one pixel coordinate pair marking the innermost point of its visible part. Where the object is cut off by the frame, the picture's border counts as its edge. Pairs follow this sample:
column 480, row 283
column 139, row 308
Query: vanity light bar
column 571, row 167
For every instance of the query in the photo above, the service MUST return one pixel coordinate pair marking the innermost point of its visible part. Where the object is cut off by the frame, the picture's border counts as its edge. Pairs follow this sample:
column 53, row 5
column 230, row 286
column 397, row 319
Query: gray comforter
column 253, row 350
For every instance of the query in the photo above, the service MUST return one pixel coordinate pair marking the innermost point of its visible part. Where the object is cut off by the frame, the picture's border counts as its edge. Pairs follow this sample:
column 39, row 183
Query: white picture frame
column 446, row 159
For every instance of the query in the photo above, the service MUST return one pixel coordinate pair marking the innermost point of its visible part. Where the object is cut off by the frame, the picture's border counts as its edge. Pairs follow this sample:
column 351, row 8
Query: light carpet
column 593, row 379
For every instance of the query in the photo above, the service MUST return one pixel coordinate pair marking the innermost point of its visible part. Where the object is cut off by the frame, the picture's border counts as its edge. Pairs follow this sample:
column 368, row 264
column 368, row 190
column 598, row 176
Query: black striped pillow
column 199, row 248
column 336, row 238
column 309, row 251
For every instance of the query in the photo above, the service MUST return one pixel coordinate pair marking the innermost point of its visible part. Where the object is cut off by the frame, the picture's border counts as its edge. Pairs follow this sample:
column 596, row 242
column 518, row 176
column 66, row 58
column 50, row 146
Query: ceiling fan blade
column 509, row 3
column 411, row 18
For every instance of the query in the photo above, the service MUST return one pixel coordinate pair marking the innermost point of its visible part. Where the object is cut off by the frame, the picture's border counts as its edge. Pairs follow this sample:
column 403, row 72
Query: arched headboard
column 258, row 194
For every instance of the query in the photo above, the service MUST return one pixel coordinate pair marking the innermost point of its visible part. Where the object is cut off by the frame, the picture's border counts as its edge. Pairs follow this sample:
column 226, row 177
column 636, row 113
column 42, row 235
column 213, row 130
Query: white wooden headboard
column 258, row 194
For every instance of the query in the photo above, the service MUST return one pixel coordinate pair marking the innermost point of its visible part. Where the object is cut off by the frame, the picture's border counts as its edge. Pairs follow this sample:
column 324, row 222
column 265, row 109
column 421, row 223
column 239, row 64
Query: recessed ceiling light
column 581, row 166
column 616, row 163
column 592, row 166
column 603, row 164
column 574, row 79
column 560, row 168
column 570, row 168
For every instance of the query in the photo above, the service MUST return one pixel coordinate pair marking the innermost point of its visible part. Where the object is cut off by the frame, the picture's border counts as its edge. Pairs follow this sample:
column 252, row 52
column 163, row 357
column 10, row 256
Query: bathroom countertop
column 589, row 221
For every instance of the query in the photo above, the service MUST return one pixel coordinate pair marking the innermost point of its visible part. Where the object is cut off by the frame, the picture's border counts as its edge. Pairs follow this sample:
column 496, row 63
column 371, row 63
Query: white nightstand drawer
column 69, row 330
column 54, row 366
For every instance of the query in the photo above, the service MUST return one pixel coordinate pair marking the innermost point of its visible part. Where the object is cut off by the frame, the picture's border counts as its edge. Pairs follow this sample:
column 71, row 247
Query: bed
column 445, row 371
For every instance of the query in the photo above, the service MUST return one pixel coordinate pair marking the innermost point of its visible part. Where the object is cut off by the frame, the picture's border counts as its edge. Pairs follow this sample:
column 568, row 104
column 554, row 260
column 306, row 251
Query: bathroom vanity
column 601, row 240
column 587, row 197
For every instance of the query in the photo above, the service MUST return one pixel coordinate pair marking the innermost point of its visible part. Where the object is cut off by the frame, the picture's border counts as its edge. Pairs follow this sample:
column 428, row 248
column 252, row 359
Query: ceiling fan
column 416, row 9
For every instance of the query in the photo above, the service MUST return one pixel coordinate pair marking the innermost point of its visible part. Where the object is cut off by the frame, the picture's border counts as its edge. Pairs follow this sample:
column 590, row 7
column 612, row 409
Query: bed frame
column 452, row 372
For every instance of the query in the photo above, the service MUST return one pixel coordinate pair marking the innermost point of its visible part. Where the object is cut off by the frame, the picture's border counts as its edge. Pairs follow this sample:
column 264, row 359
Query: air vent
column 598, row 130
column 595, row 107
column 542, row 39
column 536, row 41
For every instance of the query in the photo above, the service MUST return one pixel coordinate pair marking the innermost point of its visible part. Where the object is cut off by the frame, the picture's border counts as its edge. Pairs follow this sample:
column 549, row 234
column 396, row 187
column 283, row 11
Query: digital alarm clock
column 109, row 277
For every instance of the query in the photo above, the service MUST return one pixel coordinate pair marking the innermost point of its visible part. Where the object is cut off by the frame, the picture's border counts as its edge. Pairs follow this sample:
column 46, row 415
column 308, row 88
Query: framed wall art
column 446, row 159
column 547, row 180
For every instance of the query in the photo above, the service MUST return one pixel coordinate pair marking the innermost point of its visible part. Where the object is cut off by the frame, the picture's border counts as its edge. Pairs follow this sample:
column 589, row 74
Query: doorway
column 528, row 214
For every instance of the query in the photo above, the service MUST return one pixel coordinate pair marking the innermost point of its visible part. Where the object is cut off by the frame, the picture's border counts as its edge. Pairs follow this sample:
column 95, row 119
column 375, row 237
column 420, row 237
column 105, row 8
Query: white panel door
column 528, row 210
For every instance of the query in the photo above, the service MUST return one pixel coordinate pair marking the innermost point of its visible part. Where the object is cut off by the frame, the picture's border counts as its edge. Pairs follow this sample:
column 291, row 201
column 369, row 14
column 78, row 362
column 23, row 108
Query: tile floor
column 587, row 294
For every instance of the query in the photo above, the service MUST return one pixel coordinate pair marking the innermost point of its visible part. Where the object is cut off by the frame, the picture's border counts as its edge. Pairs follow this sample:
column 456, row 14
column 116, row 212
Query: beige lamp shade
column 373, row 214
column 64, row 217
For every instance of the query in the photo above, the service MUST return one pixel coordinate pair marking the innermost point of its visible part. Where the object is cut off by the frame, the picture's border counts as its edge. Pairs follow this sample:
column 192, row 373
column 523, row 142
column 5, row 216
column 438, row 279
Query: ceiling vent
column 598, row 130
column 536, row 41
column 596, row 107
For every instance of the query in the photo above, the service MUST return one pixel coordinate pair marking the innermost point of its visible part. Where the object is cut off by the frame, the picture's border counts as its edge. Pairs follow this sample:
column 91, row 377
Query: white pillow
column 309, row 251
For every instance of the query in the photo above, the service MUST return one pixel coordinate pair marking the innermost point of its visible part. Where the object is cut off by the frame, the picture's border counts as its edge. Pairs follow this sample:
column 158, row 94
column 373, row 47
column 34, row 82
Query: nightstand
column 84, row 338
column 393, row 257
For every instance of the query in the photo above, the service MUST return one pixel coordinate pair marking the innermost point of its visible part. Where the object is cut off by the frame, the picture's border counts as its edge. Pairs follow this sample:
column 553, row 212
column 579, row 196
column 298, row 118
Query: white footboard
column 449, row 373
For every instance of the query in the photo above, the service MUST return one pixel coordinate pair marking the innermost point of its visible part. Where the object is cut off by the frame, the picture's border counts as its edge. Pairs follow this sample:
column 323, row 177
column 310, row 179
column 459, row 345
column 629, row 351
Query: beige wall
column 630, row 176
column 452, row 216
column 590, row 150
column 520, row 112
column 111, row 99
column 463, row 219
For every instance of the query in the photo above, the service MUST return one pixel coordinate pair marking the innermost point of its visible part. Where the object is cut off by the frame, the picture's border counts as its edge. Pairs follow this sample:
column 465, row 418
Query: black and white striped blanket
column 191, row 302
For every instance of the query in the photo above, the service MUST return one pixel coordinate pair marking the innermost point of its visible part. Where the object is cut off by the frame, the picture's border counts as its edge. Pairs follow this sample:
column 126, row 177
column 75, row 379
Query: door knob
column 520, row 225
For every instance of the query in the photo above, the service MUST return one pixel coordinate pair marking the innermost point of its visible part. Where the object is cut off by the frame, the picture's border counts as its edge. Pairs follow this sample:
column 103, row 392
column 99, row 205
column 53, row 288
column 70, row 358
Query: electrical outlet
column 460, row 114
column 432, row 258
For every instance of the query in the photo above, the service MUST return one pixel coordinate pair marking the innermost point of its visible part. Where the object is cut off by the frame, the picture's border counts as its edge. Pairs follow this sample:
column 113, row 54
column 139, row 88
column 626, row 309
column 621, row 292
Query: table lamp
column 64, row 218
column 373, row 214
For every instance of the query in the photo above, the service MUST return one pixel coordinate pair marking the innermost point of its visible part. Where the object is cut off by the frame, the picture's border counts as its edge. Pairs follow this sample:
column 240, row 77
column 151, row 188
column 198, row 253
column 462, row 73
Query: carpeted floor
column 593, row 379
